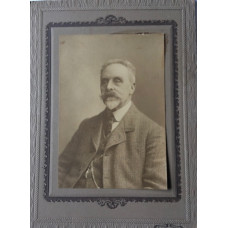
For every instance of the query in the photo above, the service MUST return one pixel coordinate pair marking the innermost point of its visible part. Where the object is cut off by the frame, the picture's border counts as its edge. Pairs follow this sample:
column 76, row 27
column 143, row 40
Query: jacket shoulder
column 146, row 123
column 145, row 119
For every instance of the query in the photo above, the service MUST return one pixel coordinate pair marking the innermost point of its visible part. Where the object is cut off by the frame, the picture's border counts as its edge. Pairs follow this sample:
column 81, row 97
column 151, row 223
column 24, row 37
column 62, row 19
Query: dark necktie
column 109, row 120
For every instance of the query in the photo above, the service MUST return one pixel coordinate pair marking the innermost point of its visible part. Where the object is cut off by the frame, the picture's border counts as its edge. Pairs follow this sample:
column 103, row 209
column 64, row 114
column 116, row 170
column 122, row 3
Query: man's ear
column 133, row 88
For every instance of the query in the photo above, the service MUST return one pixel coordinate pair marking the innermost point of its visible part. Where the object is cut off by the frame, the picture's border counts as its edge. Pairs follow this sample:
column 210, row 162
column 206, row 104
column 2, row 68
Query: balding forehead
column 129, row 66
column 117, row 69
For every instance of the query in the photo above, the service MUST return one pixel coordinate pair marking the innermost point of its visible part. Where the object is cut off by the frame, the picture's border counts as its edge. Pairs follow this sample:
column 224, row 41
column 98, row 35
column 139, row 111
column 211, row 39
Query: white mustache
column 109, row 94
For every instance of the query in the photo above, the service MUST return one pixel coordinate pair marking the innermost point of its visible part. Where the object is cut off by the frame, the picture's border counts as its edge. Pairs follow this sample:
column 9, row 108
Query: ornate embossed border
column 110, row 202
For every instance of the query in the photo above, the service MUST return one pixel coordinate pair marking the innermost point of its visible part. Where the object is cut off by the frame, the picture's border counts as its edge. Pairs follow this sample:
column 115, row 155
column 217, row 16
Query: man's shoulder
column 145, row 121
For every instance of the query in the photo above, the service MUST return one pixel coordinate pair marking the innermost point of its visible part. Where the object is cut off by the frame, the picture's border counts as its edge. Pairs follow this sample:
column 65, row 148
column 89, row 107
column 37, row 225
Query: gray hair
column 123, row 62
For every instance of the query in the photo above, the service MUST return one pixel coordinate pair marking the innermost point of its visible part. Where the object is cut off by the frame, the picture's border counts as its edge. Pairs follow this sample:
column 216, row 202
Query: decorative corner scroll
column 111, row 202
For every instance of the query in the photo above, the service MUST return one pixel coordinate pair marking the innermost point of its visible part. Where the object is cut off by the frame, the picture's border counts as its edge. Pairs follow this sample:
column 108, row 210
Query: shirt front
column 119, row 114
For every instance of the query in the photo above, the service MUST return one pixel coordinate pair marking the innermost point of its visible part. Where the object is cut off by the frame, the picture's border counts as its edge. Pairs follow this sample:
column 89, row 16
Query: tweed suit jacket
column 134, row 156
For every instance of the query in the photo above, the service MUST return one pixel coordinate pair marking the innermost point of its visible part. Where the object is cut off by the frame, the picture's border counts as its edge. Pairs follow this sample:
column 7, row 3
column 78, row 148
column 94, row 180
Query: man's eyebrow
column 117, row 77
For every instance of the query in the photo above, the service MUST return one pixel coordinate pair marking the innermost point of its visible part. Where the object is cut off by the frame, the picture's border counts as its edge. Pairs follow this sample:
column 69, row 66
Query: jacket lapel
column 96, row 131
column 118, row 136
column 127, row 124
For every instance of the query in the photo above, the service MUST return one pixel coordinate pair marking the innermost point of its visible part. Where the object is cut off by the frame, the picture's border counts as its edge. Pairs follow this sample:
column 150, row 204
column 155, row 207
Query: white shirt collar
column 119, row 114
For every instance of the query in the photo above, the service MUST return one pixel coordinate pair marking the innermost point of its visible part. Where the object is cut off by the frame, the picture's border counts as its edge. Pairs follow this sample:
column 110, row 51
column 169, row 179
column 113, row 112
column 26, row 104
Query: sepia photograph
column 113, row 114
column 112, row 130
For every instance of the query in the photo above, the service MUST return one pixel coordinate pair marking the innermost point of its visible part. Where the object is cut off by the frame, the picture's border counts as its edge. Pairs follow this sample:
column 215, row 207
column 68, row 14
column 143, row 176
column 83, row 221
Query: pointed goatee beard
column 112, row 104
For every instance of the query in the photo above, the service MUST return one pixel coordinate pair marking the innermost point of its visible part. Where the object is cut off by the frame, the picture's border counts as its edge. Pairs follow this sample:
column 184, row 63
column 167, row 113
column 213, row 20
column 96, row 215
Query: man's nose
column 110, row 85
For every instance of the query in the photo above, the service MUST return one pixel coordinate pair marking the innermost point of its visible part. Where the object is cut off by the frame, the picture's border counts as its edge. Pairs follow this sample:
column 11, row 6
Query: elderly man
column 120, row 147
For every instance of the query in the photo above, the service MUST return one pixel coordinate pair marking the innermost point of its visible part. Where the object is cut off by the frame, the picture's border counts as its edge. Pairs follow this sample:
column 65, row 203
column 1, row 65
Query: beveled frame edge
column 189, row 26
column 111, row 202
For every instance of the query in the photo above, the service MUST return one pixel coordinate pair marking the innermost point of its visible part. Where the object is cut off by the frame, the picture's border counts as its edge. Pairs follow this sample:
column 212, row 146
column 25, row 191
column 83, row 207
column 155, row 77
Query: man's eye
column 117, row 80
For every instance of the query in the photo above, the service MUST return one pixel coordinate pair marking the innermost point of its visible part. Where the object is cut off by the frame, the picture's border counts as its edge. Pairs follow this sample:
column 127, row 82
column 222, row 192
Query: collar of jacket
column 127, row 124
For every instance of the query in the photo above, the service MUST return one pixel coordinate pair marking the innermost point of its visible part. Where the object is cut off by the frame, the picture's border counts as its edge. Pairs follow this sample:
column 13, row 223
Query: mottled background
column 80, row 60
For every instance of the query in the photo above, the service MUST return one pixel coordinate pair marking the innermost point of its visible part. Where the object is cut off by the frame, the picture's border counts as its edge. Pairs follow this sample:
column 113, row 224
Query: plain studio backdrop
column 80, row 60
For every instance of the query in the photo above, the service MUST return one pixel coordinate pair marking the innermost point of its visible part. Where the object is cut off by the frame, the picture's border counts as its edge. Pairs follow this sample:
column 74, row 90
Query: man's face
column 116, row 86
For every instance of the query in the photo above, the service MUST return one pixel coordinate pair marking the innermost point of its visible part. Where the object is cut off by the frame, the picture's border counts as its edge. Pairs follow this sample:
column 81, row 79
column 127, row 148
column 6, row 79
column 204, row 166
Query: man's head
column 117, row 83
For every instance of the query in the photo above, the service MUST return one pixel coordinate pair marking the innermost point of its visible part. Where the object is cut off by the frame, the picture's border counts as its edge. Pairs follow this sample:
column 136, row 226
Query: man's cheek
column 102, row 90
